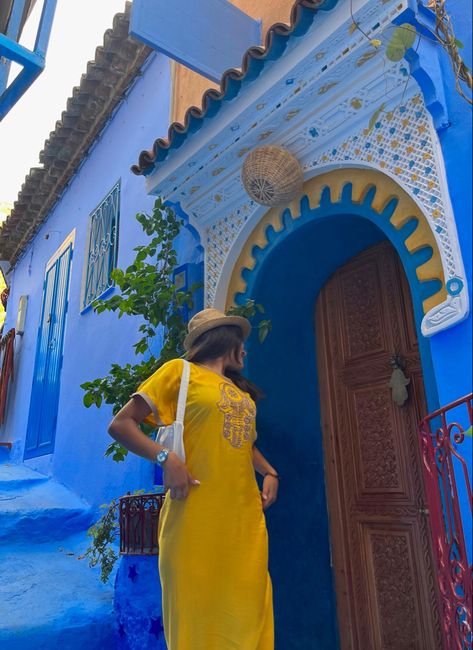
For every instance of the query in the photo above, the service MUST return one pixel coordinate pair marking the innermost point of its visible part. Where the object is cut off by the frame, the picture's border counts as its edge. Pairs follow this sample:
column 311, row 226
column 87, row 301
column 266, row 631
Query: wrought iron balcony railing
column 446, row 450
column 138, row 518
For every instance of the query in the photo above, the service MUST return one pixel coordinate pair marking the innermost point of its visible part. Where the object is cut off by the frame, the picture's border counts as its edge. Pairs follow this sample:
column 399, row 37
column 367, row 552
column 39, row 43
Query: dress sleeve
column 160, row 392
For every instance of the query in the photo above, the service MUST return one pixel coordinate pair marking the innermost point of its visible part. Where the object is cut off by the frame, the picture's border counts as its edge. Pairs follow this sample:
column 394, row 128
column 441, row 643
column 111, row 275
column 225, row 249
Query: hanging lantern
column 272, row 176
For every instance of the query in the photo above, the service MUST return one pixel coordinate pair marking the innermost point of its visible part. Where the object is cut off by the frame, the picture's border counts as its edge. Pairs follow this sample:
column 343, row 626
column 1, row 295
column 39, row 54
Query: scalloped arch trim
column 366, row 186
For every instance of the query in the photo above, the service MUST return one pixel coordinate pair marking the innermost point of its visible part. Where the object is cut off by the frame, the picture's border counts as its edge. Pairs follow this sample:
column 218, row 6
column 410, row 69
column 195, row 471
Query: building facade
column 365, row 275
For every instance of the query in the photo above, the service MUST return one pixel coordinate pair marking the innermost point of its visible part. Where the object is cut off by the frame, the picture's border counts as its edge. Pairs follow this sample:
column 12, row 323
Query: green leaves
column 103, row 533
column 116, row 451
column 146, row 290
column 250, row 310
column 265, row 327
column 402, row 39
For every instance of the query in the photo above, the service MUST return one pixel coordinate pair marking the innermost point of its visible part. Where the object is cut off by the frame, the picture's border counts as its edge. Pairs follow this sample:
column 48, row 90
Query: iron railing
column 449, row 496
column 138, row 518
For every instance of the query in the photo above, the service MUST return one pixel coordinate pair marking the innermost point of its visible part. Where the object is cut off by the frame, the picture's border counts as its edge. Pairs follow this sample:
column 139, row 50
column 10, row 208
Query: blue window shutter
column 102, row 249
column 49, row 353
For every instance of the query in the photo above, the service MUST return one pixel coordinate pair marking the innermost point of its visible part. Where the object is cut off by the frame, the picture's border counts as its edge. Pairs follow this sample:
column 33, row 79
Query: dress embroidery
column 239, row 411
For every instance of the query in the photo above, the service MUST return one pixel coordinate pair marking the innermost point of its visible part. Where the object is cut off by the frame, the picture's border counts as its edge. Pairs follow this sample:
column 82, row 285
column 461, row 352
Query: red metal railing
column 442, row 436
column 138, row 518
column 7, row 344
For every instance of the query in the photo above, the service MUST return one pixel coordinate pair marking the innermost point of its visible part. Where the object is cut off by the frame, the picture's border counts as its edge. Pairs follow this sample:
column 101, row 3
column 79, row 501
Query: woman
column 213, row 560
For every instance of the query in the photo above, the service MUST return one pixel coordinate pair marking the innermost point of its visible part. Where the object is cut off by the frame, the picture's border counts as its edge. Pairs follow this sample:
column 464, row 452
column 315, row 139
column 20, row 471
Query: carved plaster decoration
column 383, row 195
column 403, row 146
column 316, row 101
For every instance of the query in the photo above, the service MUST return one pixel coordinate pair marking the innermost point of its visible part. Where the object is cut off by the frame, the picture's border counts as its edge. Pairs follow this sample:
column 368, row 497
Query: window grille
column 102, row 247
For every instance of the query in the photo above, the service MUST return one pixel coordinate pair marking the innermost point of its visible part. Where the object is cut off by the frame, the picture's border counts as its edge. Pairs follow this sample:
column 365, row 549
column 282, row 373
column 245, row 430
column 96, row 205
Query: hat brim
column 239, row 321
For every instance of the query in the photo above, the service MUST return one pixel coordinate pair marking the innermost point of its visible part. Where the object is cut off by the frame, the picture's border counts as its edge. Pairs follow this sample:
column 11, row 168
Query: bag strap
column 181, row 402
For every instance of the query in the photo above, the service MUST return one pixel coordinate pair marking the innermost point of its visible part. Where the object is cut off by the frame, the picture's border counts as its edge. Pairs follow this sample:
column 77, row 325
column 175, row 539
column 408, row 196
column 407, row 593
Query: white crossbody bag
column 172, row 435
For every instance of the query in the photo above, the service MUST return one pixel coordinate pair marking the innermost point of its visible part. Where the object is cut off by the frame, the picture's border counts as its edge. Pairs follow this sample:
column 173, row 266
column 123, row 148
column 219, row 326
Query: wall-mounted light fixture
column 21, row 318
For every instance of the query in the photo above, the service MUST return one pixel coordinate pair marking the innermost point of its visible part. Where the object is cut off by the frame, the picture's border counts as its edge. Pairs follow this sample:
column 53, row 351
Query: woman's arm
column 270, row 481
column 125, row 430
column 260, row 463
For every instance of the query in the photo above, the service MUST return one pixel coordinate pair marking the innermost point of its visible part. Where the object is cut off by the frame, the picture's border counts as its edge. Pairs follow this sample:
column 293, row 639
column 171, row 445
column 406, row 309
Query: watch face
column 161, row 457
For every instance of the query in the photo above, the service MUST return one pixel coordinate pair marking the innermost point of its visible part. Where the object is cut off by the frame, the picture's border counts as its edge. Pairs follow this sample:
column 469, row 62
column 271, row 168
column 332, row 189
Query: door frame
column 69, row 241
column 348, row 196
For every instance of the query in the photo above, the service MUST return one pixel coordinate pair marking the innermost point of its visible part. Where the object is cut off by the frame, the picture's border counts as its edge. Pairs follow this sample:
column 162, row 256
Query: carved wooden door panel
column 380, row 540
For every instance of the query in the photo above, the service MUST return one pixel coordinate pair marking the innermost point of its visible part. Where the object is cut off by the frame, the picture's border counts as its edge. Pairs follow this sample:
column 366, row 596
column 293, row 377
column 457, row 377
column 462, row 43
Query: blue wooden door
column 49, row 352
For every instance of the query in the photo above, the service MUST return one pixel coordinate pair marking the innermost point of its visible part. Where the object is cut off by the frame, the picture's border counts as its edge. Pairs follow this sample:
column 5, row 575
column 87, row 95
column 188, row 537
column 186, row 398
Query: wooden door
column 384, row 577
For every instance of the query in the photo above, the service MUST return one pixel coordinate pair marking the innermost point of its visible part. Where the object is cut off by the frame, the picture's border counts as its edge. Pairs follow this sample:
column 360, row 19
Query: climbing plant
column 396, row 40
column 146, row 290
column 104, row 533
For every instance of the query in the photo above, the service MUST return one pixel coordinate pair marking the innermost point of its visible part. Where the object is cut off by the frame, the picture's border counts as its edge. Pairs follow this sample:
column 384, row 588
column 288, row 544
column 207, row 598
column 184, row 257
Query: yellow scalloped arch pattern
column 361, row 180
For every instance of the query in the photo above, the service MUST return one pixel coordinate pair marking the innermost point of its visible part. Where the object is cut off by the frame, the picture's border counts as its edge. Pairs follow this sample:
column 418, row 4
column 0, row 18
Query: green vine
column 250, row 310
column 396, row 40
column 146, row 290
column 104, row 534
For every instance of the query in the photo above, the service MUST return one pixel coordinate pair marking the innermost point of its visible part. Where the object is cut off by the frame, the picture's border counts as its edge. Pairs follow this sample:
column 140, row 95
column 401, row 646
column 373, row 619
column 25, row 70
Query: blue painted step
column 33, row 510
column 18, row 477
column 49, row 599
column 52, row 600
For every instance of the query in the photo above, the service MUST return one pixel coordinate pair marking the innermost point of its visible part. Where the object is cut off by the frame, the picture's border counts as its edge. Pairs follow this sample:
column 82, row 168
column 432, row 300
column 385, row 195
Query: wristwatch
column 162, row 456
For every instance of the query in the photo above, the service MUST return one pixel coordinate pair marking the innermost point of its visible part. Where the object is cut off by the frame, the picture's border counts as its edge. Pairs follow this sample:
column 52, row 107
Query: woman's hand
column 177, row 478
column 270, row 491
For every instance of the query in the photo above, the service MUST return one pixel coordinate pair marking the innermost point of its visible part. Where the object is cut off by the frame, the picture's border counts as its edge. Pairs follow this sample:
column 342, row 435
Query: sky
column 78, row 29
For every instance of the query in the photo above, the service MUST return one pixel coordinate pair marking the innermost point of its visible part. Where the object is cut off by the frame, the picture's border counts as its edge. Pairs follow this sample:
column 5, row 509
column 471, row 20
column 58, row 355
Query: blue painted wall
column 289, row 419
column 451, row 349
column 92, row 342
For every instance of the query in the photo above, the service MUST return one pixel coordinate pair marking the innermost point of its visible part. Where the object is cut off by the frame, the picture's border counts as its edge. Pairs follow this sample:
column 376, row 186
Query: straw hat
column 209, row 319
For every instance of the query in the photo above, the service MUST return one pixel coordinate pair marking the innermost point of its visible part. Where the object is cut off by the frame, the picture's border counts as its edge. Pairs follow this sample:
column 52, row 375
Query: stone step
column 18, row 477
column 52, row 600
column 44, row 511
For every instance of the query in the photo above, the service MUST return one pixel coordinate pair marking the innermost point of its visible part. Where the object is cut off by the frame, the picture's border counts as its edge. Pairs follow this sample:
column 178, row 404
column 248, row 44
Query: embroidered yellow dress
column 213, row 558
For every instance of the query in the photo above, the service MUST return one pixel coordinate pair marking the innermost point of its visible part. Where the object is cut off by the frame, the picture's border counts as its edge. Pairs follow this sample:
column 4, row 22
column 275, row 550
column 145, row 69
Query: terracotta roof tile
column 101, row 88
column 177, row 130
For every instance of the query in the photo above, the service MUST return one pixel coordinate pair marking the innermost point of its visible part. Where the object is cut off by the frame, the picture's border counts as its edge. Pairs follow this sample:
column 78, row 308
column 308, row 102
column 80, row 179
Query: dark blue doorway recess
column 49, row 353
column 285, row 367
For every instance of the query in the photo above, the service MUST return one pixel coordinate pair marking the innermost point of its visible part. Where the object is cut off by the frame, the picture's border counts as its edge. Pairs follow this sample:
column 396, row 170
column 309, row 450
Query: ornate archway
column 373, row 195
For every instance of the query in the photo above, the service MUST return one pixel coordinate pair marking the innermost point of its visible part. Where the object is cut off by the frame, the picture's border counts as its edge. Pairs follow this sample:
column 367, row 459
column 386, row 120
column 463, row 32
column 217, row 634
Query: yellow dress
column 213, row 560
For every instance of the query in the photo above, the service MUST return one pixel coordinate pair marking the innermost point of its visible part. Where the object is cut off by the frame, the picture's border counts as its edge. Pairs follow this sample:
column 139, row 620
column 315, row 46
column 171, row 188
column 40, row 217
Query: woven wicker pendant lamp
column 272, row 176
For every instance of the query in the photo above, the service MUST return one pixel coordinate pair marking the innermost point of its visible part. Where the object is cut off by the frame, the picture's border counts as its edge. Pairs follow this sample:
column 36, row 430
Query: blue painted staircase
column 48, row 597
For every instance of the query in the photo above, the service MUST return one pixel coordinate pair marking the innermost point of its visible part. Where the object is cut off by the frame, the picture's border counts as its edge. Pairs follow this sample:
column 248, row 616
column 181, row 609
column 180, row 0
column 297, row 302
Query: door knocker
column 398, row 381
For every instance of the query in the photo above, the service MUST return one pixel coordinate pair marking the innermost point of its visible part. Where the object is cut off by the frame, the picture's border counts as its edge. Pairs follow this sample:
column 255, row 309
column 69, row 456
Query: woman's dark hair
column 218, row 342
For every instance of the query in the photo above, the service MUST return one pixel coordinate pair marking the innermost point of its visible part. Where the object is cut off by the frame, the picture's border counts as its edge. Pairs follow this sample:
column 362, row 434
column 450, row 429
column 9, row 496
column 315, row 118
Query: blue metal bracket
column 32, row 61
column 208, row 36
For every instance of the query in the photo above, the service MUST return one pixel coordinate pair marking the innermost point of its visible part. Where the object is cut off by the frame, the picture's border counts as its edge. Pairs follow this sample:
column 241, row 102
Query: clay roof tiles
column 101, row 88
column 177, row 131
